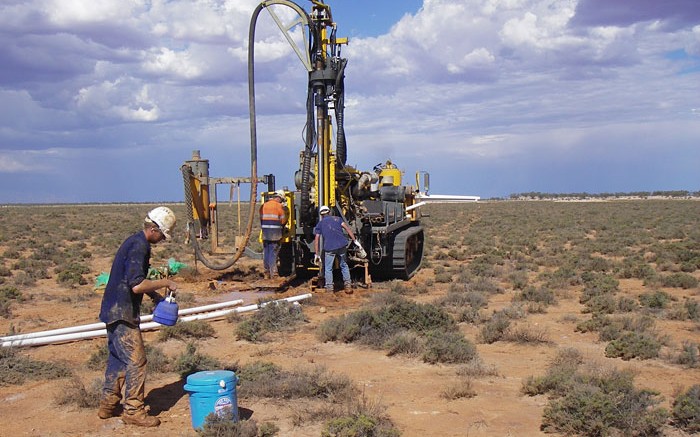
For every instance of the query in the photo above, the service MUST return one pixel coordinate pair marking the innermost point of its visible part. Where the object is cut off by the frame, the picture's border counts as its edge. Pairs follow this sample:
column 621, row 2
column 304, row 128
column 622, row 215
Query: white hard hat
column 324, row 210
column 164, row 218
column 280, row 194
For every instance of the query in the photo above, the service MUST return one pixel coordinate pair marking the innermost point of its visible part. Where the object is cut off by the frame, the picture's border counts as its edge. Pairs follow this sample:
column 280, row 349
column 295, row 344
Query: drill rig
column 383, row 213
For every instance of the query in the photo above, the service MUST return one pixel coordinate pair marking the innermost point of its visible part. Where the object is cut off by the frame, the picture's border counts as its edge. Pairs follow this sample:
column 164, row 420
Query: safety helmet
column 164, row 218
column 280, row 194
column 324, row 210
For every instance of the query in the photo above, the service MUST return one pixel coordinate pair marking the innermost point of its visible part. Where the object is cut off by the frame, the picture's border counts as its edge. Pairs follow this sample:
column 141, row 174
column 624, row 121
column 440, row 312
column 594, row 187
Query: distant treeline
column 678, row 194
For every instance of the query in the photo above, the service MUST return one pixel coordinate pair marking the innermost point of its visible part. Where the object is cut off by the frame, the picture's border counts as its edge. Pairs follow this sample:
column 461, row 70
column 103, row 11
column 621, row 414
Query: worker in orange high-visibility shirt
column 272, row 220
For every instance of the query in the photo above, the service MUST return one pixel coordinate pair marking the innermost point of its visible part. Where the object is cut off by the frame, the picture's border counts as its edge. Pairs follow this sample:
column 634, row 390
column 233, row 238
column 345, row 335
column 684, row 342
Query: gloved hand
column 317, row 259
column 360, row 251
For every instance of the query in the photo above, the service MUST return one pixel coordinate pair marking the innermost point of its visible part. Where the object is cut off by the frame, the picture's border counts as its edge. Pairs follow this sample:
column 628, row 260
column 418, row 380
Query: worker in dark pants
column 330, row 229
column 272, row 219
column 121, row 306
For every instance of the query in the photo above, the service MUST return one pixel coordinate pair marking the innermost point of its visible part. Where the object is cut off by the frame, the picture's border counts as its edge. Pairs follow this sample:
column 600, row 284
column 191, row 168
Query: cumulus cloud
column 481, row 85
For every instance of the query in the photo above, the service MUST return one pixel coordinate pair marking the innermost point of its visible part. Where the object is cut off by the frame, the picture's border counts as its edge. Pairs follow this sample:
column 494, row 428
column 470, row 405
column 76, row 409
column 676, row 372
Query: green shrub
column 679, row 280
column 686, row 410
column 526, row 335
column 405, row 343
column 458, row 298
column 443, row 278
column 375, row 326
column 495, row 329
column 359, row 425
column 595, row 410
column 221, row 424
column 72, row 274
column 598, row 284
column 448, row 347
column 536, row 294
column 655, row 300
column 272, row 317
column 264, row 379
column 689, row 355
column 194, row 329
column 626, row 304
column 693, row 309
column 16, row 369
column 634, row 345
column 190, row 361
column 594, row 403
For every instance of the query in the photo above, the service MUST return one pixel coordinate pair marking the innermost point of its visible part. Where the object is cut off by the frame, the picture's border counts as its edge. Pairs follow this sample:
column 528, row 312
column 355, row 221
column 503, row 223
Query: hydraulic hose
column 341, row 146
column 307, row 159
column 187, row 172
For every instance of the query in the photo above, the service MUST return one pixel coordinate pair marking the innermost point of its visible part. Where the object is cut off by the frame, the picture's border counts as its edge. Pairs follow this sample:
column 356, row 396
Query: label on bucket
column 223, row 405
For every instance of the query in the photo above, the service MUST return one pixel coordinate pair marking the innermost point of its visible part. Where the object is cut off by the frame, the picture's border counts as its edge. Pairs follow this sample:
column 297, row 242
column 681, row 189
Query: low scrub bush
column 194, row 329
column 402, row 327
column 541, row 295
column 15, row 369
column 601, row 304
column 689, row 355
column 595, row 402
column 642, row 345
column 76, row 393
column 495, row 329
column 464, row 388
column 560, row 373
column 9, row 294
column 679, row 280
column 598, row 284
column 656, row 300
column 272, row 317
column 686, row 410
column 264, row 379
column 190, row 361
column 221, row 424
column 448, row 347
column 405, row 343
column 527, row 335
column 72, row 274
column 476, row 368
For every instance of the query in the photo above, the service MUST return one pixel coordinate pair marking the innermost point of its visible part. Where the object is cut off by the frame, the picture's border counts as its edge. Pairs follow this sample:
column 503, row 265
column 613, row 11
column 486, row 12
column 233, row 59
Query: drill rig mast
column 382, row 212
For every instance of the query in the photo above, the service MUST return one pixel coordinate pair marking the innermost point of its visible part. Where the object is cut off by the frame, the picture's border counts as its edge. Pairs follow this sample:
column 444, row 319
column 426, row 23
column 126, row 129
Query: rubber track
column 403, row 242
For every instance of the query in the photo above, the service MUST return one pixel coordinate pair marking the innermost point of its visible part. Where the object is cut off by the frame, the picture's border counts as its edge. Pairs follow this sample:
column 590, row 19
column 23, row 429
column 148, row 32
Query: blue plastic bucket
column 212, row 391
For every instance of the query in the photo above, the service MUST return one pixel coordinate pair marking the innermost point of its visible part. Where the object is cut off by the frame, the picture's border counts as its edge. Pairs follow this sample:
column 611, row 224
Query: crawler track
column 408, row 252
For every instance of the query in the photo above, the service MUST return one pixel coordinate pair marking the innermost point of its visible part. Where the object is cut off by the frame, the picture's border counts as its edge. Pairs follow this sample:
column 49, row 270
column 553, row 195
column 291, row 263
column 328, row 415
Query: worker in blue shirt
column 121, row 306
column 330, row 229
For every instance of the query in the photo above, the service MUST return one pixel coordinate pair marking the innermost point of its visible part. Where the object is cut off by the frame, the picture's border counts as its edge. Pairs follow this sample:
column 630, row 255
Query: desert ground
column 511, row 245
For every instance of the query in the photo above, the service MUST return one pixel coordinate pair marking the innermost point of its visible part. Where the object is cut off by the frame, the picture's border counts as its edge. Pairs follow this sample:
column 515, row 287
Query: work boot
column 329, row 289
column 139, row 417
column 266, row 275
column 347, row 286
column 108, row 409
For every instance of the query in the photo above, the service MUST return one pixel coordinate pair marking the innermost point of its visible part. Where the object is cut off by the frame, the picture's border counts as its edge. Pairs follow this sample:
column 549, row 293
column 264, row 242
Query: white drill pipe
column 100, row 325
column 145, row 326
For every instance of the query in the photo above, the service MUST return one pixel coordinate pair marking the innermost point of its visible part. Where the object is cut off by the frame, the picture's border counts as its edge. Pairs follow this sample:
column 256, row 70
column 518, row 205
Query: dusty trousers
column 126, row 365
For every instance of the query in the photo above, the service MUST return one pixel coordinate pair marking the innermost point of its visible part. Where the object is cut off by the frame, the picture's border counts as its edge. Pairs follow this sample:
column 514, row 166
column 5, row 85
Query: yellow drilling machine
column 384, row 213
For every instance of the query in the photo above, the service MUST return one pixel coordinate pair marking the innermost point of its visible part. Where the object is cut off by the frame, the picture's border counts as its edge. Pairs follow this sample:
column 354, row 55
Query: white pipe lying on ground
column 100, row 325
column 144, row 326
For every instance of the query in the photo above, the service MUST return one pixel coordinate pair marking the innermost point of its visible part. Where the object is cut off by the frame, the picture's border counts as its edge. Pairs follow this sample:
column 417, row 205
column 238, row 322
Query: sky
column 104, row 100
